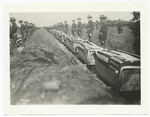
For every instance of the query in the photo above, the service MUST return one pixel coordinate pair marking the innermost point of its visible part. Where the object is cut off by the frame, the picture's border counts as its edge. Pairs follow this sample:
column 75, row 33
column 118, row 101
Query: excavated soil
column 42, row 74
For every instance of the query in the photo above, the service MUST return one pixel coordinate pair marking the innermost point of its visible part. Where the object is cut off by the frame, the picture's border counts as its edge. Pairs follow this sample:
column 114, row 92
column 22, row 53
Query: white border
column 128, row 7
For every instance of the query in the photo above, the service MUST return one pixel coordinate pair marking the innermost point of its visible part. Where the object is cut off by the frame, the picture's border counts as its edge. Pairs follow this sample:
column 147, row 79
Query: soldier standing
column 79, row 27
column 103, row 31
column 30, row 29
column 66, row 27
column 58, row 26
column 132, row 25
column 22, row 28
column 62, row 26
column 136, row 45
column 74, row 28
column 119, row 27
column 26, row 30
column 13, row 35
column 90, row 27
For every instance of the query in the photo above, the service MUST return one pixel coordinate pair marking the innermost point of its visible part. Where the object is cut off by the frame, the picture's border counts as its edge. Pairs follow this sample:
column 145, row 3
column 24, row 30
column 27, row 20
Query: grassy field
column 122, row 41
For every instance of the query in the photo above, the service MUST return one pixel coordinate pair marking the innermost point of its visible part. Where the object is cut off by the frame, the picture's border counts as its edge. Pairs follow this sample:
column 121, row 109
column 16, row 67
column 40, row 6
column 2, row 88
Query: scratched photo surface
column 75, row 58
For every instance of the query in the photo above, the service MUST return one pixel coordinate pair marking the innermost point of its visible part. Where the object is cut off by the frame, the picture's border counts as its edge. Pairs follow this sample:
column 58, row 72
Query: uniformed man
column 26, row 30
column 119, row 27
column 132, row 25
column 79, row 27
column 58, row 27
column 30, row 30
column 136, row 45
column 62, row 26
column 22, row 29
column 74, row 28
column 90, row 27
column 13, row 35
column 66, row 27
column 103, row 31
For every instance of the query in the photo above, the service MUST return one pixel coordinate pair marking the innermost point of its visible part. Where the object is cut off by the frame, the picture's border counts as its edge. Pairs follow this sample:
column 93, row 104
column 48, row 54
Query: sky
column 48, row 19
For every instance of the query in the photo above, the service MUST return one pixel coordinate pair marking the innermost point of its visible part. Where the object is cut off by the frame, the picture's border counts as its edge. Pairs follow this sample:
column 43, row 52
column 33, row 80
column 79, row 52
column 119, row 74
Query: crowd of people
column 102, row 26
column 26, row 29
column 23, row 31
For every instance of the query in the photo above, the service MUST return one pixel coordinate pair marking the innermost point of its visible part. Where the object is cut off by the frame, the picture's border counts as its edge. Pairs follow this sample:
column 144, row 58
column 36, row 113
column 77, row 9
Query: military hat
column 20, row 20
column 102, row 16
column 25, row 22
column 78, row 18
column 12, row 19
column 73, row 20
column 89, row 16
column 135, row 12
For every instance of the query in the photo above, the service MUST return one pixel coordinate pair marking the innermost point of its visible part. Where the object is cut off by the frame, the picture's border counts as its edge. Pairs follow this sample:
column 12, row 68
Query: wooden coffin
column 65, row 37
column 86, row 50
column 73, row 43
column 121, row 70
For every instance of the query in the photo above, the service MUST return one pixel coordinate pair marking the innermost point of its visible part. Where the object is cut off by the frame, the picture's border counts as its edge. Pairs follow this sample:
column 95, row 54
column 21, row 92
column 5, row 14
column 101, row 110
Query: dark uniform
column 26, row 31
column 13, row 35
column 90, row 28
column 62, row 27
column 74, row 28
column 136, row 32
column 119, row 27
column 13, row 30
column 103, row 32
column 29, row 30
column 22, row 29
column 58, row 26
column 66, row 27
column 132, row 26
column 136, row 45
column 79, row 29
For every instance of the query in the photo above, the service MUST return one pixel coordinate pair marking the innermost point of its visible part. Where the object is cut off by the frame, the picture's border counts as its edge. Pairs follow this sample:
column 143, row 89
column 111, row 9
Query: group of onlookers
column 22, row 32
column 26, row 29
column 102, row 26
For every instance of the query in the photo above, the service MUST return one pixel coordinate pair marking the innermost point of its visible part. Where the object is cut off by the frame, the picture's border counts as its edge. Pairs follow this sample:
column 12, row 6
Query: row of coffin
column 118, row 68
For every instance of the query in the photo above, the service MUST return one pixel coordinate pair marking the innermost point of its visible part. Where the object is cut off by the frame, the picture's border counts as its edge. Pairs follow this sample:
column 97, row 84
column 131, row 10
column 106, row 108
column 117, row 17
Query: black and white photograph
column 75, row 58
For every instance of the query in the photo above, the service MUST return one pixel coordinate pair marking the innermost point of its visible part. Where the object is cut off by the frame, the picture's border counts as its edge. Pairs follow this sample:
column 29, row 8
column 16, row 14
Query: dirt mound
column 41, row 74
